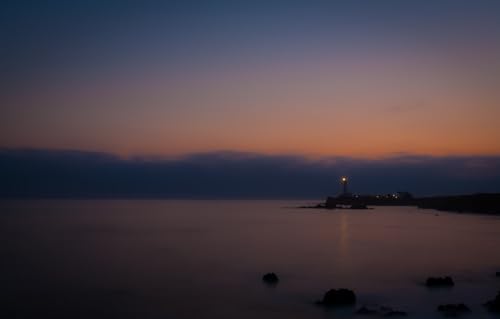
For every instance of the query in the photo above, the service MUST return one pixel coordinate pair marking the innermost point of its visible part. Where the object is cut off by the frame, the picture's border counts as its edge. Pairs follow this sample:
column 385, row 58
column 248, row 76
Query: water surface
column 205, row 259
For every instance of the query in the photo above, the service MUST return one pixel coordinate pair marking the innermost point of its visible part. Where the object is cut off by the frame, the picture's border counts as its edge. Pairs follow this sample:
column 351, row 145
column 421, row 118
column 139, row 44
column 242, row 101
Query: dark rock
column 494, row 305
column 270, row 278
column 338, row 297
column 498, row 274
column 439, row 282
column 453, row 309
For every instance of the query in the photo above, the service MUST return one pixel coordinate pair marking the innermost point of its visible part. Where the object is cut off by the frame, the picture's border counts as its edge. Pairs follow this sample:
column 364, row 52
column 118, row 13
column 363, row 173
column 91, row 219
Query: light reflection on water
column 204, row 259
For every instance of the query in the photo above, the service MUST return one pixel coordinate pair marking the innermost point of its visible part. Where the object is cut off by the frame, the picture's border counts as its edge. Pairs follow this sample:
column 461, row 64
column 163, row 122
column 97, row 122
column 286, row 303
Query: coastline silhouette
column 473, row 203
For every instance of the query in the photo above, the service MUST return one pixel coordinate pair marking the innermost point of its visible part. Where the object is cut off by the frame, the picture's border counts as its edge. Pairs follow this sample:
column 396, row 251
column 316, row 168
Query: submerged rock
column 270, row 278
column 338, row 297
column 439, row 282
column 453, row 310
column 494, row 305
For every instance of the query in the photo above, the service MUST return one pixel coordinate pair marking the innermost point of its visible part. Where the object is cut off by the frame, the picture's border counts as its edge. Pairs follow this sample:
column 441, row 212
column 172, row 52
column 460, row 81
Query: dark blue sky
column 48, row 33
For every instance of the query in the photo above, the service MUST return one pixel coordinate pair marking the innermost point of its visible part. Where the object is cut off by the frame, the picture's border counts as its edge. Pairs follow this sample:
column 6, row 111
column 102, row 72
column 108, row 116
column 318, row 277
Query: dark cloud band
column 73, row 174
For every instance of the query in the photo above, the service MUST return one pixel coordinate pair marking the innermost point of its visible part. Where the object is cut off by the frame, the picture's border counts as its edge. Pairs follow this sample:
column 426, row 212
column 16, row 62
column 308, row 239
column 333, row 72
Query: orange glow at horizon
column 356, row 107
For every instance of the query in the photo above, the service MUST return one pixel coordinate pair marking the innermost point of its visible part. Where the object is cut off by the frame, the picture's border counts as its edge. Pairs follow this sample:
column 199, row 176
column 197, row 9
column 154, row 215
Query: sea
column 206, row 258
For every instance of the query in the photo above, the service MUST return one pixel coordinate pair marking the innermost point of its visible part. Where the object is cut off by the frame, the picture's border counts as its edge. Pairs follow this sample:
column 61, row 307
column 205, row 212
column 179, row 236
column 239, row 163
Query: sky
column 319, row 89
column 363, row 79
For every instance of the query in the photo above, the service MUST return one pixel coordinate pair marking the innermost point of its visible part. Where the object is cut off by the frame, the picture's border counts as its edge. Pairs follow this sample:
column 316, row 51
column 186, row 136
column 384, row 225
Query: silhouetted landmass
column 477, row 203
column 474, row 203
column 362, row 201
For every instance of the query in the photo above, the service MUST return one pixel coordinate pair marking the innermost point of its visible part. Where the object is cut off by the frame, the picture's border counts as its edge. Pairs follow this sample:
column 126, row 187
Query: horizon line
column 242, row 154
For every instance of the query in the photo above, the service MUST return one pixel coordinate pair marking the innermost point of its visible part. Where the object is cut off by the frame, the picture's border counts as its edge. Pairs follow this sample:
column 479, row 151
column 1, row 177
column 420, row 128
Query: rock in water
column 339, row 297
column 439, row 282
column 270, row 278
column 494, row 305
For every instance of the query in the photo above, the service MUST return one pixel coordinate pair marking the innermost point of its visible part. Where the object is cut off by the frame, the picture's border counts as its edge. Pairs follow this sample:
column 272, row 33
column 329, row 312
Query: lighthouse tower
column 343, row 181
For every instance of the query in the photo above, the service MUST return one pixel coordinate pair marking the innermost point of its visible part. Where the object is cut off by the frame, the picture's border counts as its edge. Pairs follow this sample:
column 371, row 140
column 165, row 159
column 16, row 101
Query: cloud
column 77, row 174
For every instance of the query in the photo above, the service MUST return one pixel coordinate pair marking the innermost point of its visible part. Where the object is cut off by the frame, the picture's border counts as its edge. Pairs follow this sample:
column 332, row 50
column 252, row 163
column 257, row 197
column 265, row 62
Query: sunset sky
column 313, row 78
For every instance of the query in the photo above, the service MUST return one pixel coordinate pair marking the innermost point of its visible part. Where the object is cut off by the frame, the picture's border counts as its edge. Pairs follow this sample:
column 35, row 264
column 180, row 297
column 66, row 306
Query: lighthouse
column 343, row 181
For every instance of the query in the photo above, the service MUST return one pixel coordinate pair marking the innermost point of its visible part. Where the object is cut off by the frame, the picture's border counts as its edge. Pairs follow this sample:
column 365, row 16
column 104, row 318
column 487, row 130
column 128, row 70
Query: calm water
column 205, row 259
